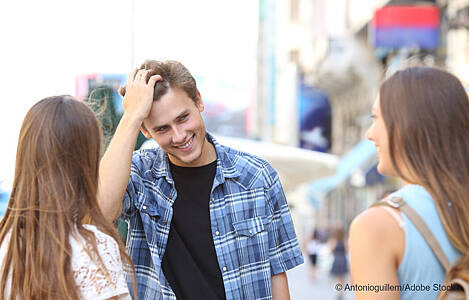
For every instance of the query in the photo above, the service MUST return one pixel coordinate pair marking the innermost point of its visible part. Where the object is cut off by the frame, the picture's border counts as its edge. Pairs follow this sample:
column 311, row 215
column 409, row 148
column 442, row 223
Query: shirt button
column 224, row 269
column 213, row 199
column 250, row 231
column 144, row 207
column 217, row 232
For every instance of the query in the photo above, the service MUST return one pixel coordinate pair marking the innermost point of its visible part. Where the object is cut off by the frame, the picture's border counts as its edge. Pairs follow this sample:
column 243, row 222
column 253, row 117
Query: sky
column 46, row 44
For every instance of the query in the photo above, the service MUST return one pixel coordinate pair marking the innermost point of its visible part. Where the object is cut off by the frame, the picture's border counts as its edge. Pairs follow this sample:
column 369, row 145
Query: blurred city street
column 322, row 288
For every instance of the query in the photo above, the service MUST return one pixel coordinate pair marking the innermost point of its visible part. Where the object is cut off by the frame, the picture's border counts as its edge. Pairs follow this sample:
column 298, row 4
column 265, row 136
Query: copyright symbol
column 338, row 287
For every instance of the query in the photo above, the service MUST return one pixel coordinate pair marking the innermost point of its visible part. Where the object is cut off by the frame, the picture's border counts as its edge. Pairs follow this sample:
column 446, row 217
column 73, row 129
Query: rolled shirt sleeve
column 284, row 250
column 134, row 186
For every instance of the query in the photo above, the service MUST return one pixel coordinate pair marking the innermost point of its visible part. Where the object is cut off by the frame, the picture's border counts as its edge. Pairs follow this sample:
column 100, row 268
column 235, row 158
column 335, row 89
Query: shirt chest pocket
column 155, row 226
column 252, row 242
column 150, row 213
column 249, row 227
column 152, row 208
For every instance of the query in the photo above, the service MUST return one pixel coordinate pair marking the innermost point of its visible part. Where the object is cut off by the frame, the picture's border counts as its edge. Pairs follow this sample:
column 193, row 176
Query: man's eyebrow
column 156, row 128
column 186, row 111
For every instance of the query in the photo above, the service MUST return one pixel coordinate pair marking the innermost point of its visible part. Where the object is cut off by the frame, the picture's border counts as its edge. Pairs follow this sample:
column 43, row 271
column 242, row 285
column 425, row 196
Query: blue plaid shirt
column 251, row 224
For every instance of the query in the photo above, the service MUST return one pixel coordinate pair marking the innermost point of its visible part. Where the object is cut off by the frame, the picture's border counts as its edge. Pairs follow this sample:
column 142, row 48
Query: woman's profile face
column 378, row 134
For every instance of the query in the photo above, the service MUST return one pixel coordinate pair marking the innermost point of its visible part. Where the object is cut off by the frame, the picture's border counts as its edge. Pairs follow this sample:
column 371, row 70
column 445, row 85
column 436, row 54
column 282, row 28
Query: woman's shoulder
column 95, row 282
column 373, row 222
column 376, row 230
column 106, row 246
column 104, row 243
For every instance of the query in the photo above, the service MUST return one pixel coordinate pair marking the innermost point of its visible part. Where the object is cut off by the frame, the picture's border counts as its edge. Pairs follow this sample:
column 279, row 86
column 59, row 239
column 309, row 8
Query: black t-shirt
column 190, row 263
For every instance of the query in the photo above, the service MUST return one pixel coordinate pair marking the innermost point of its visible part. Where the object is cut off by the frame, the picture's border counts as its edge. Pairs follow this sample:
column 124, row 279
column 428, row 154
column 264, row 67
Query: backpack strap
column 419, row 223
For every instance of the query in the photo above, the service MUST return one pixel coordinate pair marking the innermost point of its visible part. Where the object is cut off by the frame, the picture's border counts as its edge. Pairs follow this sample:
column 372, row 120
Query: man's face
column 176, row 125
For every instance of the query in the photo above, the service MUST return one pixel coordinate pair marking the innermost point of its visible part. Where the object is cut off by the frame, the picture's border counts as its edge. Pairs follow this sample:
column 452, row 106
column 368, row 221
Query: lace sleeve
column 89, row 276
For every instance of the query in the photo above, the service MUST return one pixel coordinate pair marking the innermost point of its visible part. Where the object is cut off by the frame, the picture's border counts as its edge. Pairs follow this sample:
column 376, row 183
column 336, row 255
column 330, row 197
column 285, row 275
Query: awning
column 353, row 160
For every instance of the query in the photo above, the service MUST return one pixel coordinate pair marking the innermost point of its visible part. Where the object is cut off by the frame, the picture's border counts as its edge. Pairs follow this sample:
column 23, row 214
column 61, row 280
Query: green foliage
column 101, row 100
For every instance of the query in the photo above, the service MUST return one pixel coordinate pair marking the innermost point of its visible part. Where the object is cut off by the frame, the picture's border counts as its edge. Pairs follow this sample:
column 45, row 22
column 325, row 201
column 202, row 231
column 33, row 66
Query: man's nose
column 178, row 135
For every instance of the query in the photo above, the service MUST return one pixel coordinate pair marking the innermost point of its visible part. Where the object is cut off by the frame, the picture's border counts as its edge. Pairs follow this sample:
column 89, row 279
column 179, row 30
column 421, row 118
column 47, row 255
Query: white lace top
column 90, row 279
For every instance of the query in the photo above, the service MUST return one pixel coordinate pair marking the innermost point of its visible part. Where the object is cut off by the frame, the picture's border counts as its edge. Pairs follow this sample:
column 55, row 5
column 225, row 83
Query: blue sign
column 315, row 118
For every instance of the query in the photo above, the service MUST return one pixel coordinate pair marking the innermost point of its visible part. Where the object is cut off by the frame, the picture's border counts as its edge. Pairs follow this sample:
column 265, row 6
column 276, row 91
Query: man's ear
column 200, row 103
column 145, row 131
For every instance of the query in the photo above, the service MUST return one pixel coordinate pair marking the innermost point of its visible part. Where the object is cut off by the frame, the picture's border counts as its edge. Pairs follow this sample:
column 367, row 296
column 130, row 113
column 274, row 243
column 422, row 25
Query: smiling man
column 205, row 221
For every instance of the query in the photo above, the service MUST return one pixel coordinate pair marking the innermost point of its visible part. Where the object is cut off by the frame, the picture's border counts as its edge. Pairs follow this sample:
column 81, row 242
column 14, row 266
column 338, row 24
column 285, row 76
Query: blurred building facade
column 328, row 45
column 457, row 39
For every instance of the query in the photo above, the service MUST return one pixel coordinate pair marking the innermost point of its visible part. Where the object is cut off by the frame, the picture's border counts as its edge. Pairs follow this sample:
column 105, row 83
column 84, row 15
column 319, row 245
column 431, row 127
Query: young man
column 205, row 221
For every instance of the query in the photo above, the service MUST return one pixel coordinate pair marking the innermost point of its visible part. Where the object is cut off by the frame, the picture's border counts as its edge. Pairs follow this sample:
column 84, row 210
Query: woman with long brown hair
column 55, row 242
column 421, row 129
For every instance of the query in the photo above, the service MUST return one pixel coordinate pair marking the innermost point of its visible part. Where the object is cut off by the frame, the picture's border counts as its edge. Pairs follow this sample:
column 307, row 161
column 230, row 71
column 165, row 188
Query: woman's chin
column 382, row 169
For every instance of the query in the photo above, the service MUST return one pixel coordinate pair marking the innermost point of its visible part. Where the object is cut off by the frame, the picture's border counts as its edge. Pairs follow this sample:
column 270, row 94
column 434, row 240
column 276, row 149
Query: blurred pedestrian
column 421, row 129
column 312, row 247
column 47, row 251
column 340, row 268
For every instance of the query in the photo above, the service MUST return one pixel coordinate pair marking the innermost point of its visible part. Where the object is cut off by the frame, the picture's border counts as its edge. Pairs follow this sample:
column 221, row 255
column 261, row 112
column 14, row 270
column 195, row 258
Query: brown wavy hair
column 426, row 112
column 174, row 75
column 53, row 195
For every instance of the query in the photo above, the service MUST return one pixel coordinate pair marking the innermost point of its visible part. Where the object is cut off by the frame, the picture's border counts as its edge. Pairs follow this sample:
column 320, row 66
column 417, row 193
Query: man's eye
column 182, row 118
column 161, row 129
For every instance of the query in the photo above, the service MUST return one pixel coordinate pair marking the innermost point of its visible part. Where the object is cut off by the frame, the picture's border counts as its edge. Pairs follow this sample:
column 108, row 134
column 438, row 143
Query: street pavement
column 321, row 288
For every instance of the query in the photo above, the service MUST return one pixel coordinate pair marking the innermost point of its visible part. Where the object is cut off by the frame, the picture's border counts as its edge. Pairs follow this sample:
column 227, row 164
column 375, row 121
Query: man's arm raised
column 114, row 169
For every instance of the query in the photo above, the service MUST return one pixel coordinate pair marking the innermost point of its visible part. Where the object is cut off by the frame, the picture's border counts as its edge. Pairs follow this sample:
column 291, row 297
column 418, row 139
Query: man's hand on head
column 138, row 94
